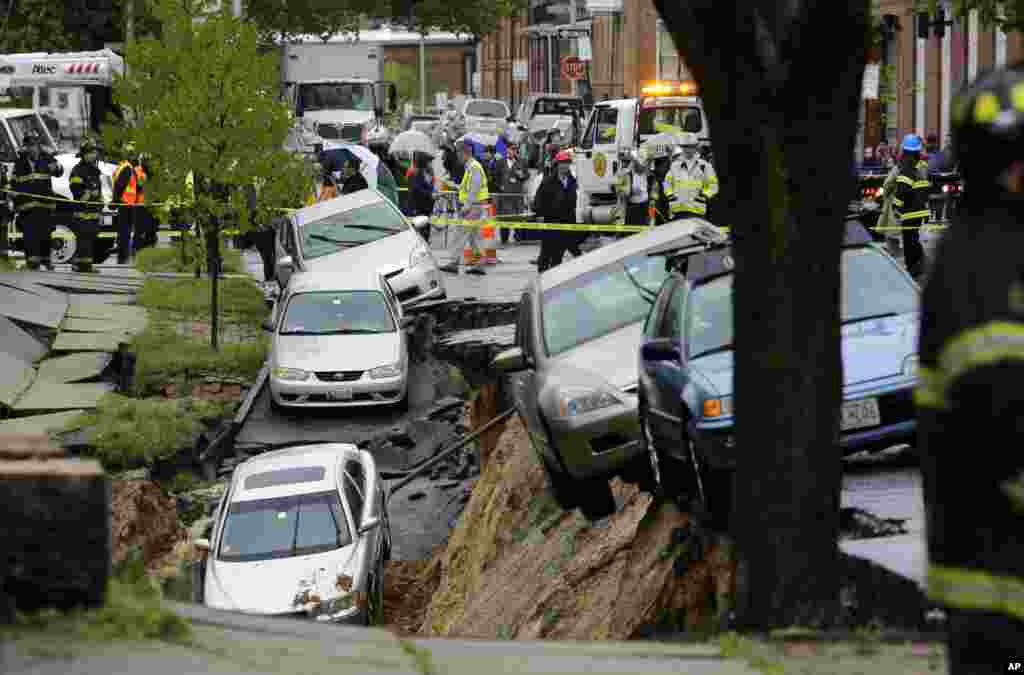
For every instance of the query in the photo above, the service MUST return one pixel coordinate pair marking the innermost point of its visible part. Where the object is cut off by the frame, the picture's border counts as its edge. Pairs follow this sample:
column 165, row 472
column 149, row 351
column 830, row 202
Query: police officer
column 910, row 199
column 971, row 364
column 86, row 187
column 691, row 182
column 32, row 173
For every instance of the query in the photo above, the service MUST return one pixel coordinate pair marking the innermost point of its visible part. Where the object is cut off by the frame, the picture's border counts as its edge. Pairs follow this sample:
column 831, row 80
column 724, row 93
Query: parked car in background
column 338, row 339
column 480, row 116
column 421, row 122
column 576, row 376
column 301, row 532
column 686, row 366
column 362, row 230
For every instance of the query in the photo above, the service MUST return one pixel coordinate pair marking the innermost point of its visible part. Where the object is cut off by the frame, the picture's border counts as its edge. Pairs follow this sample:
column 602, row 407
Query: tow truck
column 14, row 124
column 74, row 87
column 664, row 110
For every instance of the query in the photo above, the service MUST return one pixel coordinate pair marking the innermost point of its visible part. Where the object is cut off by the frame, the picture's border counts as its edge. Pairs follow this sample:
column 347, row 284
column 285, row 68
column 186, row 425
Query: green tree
column 34, row 26
column 782, row 103
column 991, row 13
column 204, row 102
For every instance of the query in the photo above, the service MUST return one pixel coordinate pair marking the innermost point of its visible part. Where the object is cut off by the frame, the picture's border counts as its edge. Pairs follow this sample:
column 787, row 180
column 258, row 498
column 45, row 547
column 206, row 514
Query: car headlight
column 910, row 365
column 718, row 407
column 337, row 609
column 382, row 372
column 572, row 402
column 290, row 374
column 419, row 255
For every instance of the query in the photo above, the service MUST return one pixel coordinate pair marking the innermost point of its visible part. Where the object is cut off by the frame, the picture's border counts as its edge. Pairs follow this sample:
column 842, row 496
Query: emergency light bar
column 668, row 88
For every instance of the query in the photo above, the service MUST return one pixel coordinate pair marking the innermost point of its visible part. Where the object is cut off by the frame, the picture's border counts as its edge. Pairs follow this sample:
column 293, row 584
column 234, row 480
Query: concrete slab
column 17, row 342
column 77, row 325
column 84, row 286
column 16, row 376
column 103, row 298
column 96, row 310
column 106, row 279
column 74, row 367
column 18, row 280
column 44, row 395
column 38, row 424
column 31, row 308
column 89, row 342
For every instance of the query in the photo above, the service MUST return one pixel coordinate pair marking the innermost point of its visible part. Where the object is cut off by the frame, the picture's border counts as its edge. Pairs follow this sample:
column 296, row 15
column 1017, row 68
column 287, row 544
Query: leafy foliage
column 1008, row 15
column 34, row 26
column 181, row 258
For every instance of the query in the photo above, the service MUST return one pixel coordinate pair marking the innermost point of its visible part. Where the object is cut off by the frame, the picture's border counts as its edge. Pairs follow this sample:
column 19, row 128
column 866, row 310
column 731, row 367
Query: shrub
column 238, row 299
column 177, row 258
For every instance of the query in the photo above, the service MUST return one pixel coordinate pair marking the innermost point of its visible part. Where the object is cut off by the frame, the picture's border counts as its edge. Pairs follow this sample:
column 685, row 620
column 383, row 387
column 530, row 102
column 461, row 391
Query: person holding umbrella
column 421, row 190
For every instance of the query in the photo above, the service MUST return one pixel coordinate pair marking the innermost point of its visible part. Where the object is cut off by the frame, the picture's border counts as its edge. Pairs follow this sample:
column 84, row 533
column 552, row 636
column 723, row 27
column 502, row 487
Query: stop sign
column 573, row 68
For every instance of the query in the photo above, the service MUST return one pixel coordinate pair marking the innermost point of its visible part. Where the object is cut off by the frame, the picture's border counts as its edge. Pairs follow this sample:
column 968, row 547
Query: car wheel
column 672, row 477
column 66, row 245
column 597, row 500
column 277, row 408
column 559, row 486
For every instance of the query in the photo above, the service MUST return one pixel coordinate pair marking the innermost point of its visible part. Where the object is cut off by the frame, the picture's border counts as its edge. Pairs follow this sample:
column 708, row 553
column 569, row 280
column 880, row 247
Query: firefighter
column 971, row 362
column 32, row 173
column 87, row 187
column 691, row 182
column 910, row 199
column 129, row 178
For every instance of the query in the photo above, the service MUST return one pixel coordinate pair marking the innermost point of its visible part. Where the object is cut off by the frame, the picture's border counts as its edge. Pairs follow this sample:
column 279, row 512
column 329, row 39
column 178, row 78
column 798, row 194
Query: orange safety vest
column 133, row 193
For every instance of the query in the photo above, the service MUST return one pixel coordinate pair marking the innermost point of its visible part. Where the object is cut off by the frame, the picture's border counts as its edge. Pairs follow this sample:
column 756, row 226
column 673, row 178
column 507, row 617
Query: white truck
column 74, row 88
column 664, row 110
column 336, row 90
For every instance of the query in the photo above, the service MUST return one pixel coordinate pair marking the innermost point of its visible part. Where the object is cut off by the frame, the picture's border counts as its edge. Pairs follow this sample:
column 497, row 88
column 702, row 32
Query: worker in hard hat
column 691, row 181
column 87, row 191
column 910, row 199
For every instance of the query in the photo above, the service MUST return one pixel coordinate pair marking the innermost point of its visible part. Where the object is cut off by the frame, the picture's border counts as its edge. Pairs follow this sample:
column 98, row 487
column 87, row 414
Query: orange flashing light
column 668, row 88
column 713, row 407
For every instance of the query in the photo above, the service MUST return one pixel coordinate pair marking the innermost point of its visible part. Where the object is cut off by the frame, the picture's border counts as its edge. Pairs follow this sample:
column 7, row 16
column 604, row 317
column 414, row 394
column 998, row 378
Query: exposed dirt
column 408, row 587
column 143, row 517
column 517, row 566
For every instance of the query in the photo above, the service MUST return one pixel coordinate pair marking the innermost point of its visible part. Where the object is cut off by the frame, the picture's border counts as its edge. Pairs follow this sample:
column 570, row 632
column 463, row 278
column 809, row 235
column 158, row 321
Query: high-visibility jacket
column 911, row 198
column 971, row 364
column 133, row 191
column 474, row 171
column 689, row 186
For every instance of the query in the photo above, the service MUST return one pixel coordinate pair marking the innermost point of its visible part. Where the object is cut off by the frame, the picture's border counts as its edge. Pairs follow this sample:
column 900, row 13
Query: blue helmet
column 912, row 143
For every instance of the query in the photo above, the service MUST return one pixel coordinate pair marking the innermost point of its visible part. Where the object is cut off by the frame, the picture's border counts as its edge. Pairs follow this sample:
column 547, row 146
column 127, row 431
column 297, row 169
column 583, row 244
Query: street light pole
column 237, row 8
column 423, row 73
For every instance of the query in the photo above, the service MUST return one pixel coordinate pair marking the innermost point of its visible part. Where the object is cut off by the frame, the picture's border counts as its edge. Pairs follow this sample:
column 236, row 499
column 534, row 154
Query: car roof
column 326, row 455
column 653, row 238
column 358, row 279
column 339, row 204
column 15, row 112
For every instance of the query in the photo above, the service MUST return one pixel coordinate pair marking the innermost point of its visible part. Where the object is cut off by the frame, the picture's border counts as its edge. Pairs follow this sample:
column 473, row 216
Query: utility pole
column 423, row 73
column 237, row 8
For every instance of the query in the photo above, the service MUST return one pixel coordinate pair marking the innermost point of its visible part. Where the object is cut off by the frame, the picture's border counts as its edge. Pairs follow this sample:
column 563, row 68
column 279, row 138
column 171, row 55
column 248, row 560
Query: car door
column 667, row 376
column 286, row 245
column 525, row 382
column 599, row 150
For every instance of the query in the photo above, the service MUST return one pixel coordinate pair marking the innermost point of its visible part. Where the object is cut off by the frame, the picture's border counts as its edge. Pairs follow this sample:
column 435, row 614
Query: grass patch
column 133, row 611
column 240, row 300
column 6, row 265
column 128, row 433
column 165, row 357
column 171, row 259
column 420, row 655
column 541, row 515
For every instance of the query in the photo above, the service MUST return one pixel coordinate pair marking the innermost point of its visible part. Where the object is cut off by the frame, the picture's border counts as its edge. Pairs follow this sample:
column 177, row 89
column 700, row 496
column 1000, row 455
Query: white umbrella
column 412, row 141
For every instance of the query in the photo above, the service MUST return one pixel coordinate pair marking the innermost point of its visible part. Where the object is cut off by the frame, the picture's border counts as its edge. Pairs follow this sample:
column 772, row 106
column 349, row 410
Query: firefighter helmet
column 88, row 145
column 988, row 126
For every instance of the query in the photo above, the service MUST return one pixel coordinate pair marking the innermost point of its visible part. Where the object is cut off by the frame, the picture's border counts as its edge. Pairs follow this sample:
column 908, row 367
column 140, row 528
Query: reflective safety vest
column 689, row 188
column 474, row 170
column 133, row 192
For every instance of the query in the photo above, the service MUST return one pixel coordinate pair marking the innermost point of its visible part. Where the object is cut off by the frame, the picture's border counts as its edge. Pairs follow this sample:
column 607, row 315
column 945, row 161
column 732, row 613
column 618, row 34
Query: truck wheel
column 64, row 244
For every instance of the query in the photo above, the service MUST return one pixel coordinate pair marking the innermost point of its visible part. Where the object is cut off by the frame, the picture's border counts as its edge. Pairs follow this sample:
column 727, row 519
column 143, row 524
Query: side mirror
column 202, row 545
column 510, row 360
column 268, row 326
column 420, row 221
column 369, row 524
column 407, row 322
column 661, row 349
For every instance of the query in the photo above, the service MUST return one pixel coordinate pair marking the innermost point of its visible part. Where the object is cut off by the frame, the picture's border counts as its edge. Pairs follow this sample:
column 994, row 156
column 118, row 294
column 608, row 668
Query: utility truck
column 336, row 90
column 664, row 110
column 74, row 88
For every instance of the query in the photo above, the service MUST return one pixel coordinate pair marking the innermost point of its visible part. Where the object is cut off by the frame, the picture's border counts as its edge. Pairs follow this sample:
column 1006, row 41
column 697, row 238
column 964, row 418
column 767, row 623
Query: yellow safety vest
column 473, row 168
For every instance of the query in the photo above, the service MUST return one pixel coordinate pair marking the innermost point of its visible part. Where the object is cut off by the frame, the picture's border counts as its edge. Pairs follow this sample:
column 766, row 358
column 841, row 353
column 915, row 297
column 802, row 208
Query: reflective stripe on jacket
column 133, row 193
column 86, row 186
column 689, row 187
column 911, row 198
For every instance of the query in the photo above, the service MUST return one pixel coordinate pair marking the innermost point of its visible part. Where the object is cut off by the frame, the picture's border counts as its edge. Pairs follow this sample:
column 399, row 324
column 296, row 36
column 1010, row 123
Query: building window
column 890, row 123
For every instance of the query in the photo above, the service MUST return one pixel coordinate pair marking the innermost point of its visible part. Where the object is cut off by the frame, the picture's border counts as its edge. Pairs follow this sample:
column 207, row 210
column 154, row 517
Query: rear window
column 298, row 474
column 486, row 109
column 558, row 107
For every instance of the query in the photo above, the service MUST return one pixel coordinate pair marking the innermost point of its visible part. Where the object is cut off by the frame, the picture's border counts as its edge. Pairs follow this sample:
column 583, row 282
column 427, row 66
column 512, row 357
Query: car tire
column 559, row 486
column 277, row 408
column 597, row 500
column 673, row 478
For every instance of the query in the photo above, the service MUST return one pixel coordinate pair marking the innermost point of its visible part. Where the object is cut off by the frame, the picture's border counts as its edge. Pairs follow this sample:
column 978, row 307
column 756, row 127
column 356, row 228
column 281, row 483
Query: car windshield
column 558, row 107
column 24, row 124
column 285, row 527
column 486, row 109
column 601, row 301
column 337, row 313
column 670, row 119
column 338, row 231
column 336, row 96
column 872, row 287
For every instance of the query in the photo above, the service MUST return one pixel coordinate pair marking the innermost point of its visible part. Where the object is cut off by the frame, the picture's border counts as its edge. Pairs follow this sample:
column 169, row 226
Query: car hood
column 610, row 356
column 271, row 586
column 872, row 350
column 339, row 116
column 386, row 255
column 337, row 352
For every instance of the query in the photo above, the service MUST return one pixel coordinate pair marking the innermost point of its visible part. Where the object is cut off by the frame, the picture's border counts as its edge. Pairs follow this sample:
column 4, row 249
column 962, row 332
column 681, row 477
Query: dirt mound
column 143, row 517
column 517, row 566
column 408, row 587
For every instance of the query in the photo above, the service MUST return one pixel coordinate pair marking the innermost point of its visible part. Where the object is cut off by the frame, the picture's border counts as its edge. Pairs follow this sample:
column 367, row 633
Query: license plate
column 342, row 394
column 861, row 414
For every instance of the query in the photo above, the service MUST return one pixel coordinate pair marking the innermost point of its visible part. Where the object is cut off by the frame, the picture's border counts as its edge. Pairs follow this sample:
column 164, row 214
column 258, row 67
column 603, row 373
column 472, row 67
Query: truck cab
column 665, row 110
column 14, row 125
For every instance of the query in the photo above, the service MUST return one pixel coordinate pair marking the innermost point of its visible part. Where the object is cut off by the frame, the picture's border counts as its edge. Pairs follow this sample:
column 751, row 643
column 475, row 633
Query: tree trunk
column 781, row 84
column 213, row 267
